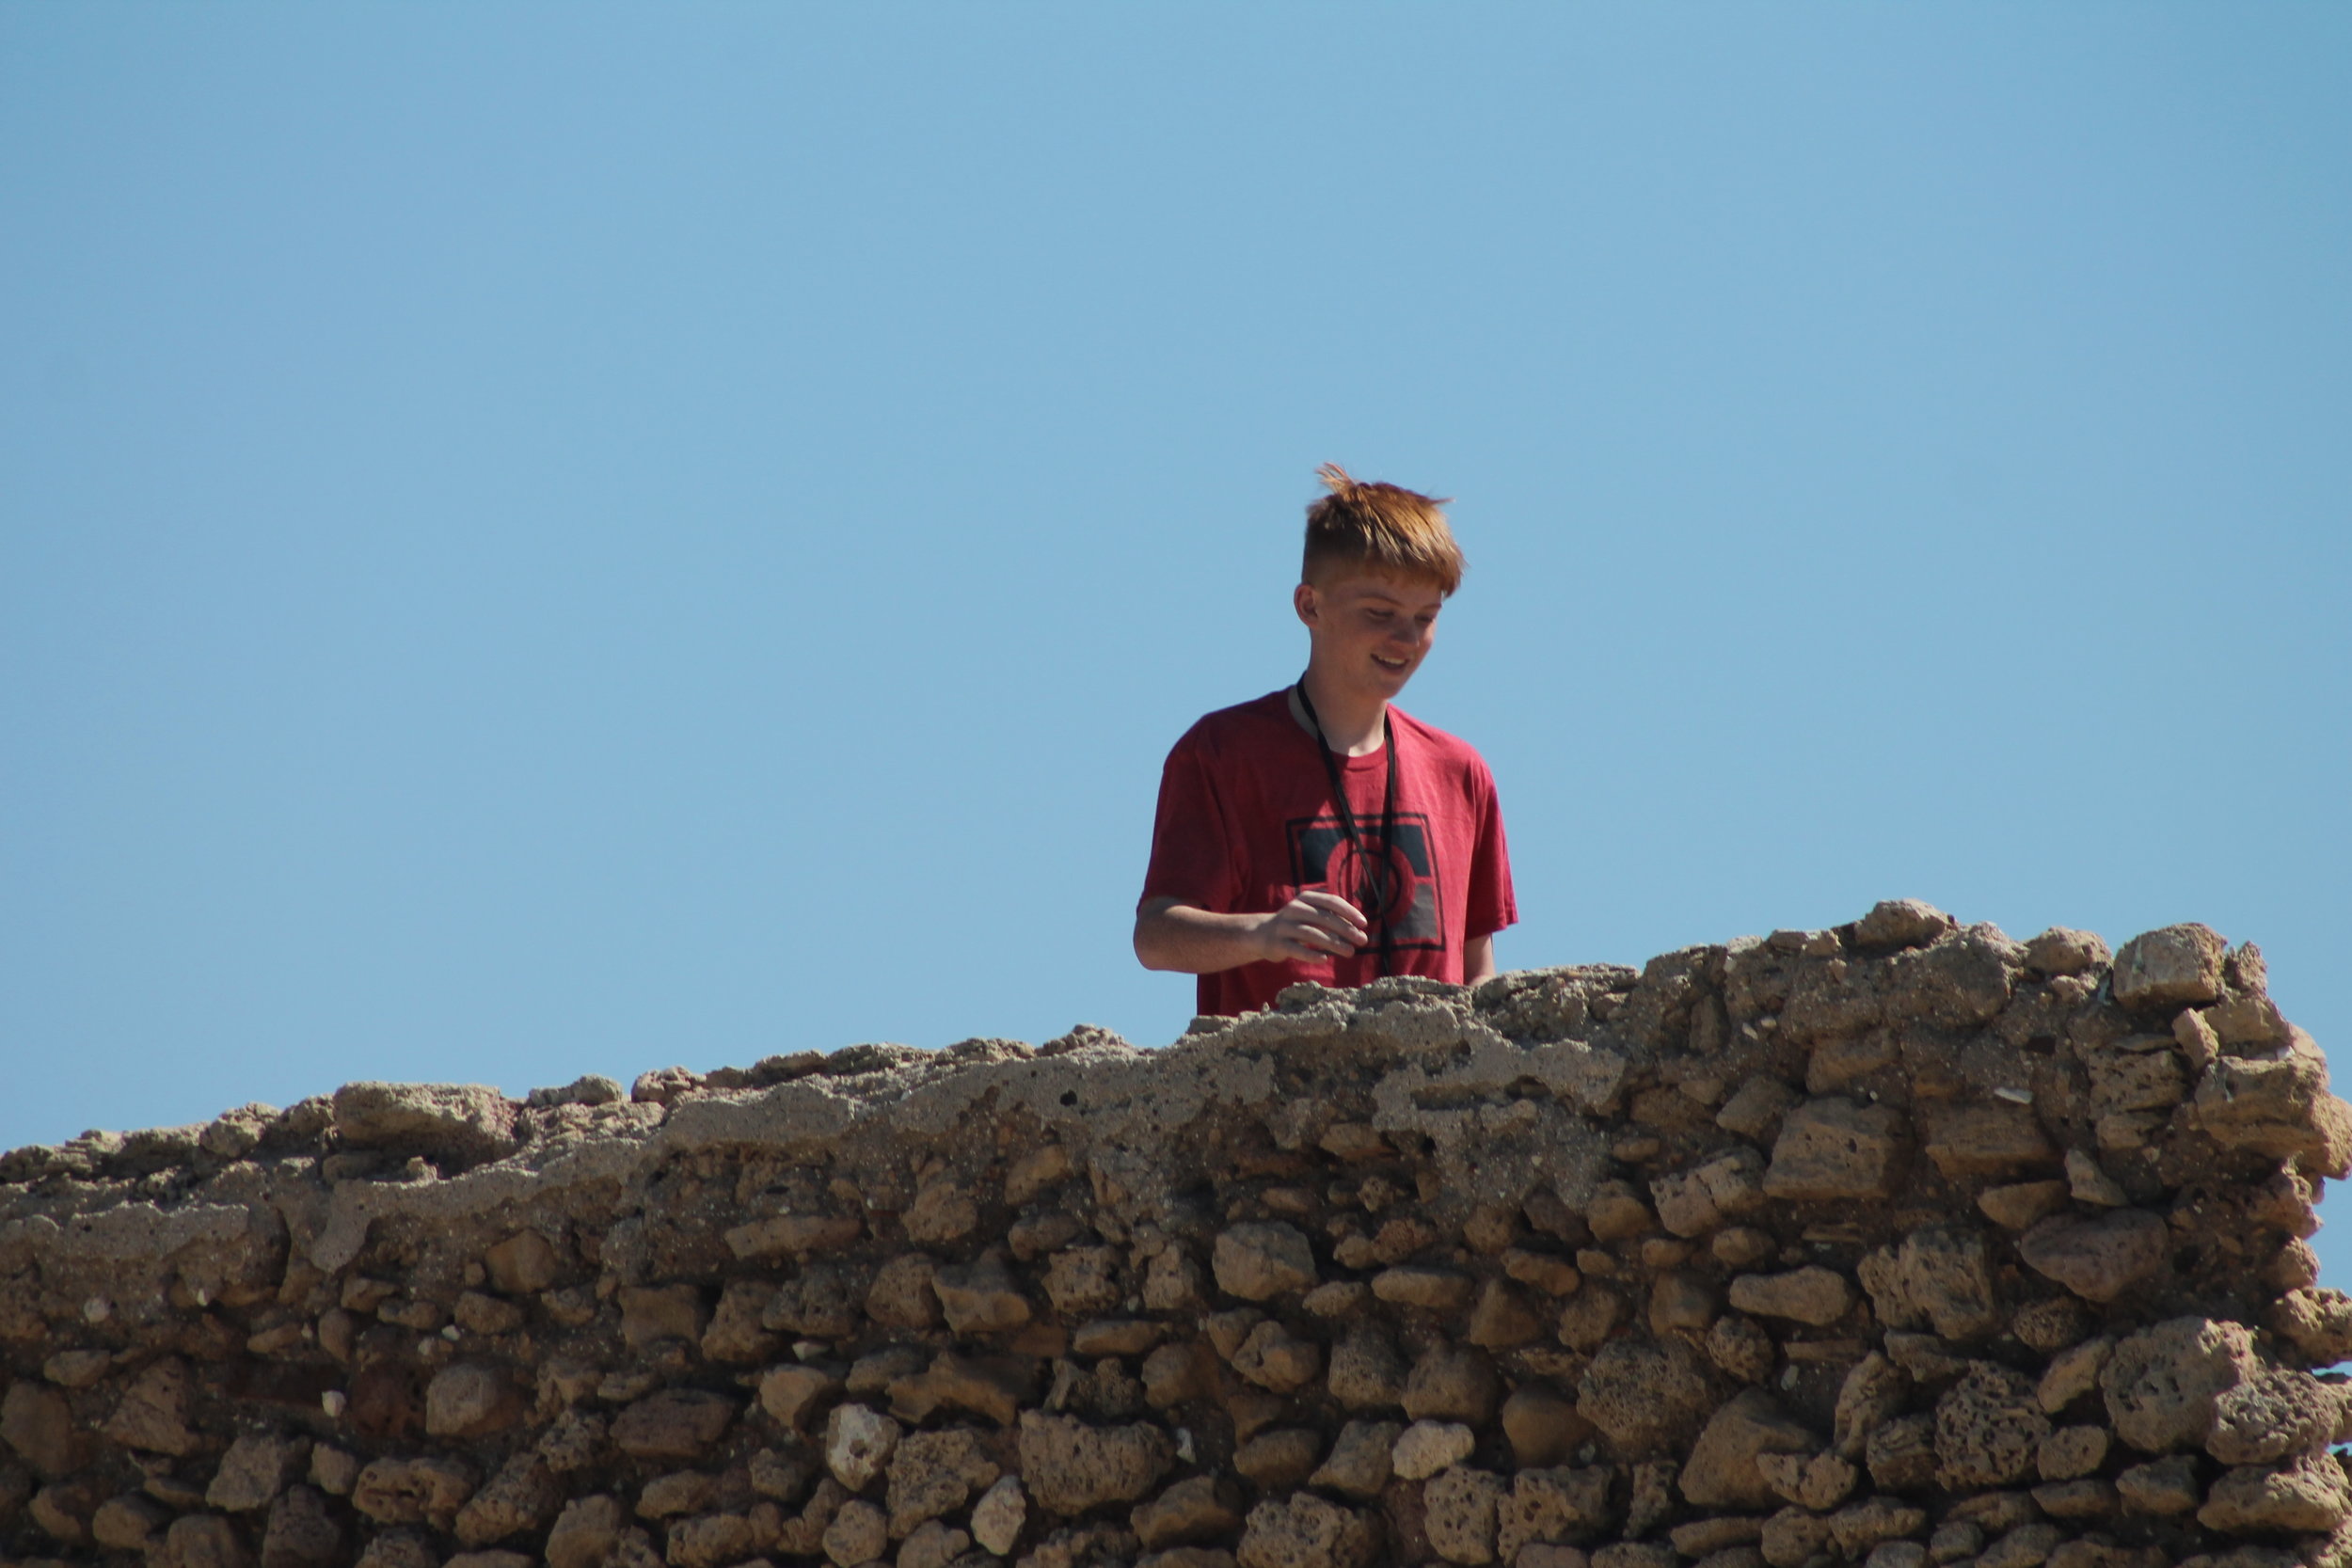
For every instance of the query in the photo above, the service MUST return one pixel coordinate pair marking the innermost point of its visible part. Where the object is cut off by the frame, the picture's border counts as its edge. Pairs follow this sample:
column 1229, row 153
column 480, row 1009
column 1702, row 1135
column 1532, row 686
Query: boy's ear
column 1303, row 601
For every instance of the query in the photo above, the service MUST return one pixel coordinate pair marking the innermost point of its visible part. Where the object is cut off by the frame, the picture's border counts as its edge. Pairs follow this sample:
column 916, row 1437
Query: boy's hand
column 1313, row 926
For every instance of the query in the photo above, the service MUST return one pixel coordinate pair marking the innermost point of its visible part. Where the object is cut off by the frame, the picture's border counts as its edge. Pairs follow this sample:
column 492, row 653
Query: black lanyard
column 1376, row 874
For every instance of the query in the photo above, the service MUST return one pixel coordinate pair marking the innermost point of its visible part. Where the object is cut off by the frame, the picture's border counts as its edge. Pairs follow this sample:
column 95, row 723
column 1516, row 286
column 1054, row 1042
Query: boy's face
column 1369, row 630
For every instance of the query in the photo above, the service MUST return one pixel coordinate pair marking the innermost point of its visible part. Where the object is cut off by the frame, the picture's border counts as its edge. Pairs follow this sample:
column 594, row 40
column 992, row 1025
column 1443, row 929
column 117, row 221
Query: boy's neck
column 1352, row 725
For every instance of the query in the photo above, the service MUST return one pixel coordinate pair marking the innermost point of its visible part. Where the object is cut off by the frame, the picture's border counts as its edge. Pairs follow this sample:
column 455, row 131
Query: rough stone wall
column 1898, row 1243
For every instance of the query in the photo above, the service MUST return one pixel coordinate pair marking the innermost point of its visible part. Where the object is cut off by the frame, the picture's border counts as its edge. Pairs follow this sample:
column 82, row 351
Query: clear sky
column 560, row 538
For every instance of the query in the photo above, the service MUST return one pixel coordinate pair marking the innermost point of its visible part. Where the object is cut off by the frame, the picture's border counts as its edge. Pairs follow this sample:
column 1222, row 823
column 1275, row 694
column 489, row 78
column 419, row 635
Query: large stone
column 1458, row 1513
column 1452, row 1383
column 1359, row 1464
column 39, row 1424
column 674, row 1425
column 412, row 1491
column 857, row 1533
column 1261, row 1260
column 1832, row 1149
column 585, row 1532
column 1722, row 1470
column 1199, row 1508
column 1069, row 1466
column 997, row 1517
column 2306, row 1495
column 2098, row 1258
column 1969, row 1139
column 471, row 1398
column 1987, row 1426
column 1940, row 1278
column 981, row 1297
column 1811, row 1294
column 302, row 1531
column 652, row 1313
column 1425, row 1448
column 456, row 1125
column 2169, row 967
column 1303, row 1530
column 522, row 1497
column 2277, row 1106
column 2161, row 1382
column 1894, row 922
column 153, row 1414
column 1272, row 1357
column 859, row 1441
column 791, row 1393
column 2271, row 1417
column 256, row 1468
column 523, row 1264
column 1552, row 1505
column 1542, row 1425
column 934, row 1473
column 2319, row 1322
column 1645, row 1396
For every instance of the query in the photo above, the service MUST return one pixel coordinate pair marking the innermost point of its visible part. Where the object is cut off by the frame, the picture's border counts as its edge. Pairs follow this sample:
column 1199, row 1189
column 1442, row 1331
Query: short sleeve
column 1192, row 853
column 1491, row 904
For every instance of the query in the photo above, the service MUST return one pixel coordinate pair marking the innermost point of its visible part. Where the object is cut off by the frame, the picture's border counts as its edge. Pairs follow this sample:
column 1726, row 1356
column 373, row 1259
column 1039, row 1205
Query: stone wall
column 1897, row 1243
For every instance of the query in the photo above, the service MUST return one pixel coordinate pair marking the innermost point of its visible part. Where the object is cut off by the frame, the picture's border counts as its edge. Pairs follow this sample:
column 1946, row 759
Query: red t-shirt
column 1246, row 822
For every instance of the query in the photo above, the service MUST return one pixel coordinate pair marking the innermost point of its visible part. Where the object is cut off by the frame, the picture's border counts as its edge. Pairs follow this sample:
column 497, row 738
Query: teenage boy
column 1319, row 833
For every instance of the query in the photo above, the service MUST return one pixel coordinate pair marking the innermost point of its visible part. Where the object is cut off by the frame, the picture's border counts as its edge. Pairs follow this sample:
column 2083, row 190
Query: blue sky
column 543, row 539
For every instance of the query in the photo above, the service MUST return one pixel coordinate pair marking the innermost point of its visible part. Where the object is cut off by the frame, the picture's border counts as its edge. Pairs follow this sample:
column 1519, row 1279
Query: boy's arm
column 1174, row 935
column 1478, row 959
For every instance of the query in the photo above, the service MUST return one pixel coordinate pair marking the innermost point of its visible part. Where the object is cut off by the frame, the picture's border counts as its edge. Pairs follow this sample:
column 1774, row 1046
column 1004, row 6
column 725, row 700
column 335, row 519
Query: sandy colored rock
column 2098, row 1258
column 1542, row 1425
column 1811, row 1294
column 1817, row 1482
column 1279, row 1458
column 2160, row 1383
column 1197, row 1509
column 1425, row 1448
column 981, row 1297
column 256, row 1468
column 997, row 1518
column 151, row 1415
column 1939, row 1277
column 932, row 1544
column 1303, row 1530
column 857, row 1534
column 859, row 1441
column 2306, row 1495
column 1359, row 1464
column 412, row 1491
column 1272, row 1357
column 2072, row 1372
column 1832, row 1148
column 2162, row 1487
column 1645, row 1397
column 2271, row 1417
column 1988, row 1427
column 1459, row 1513
column 2024, row 1204
column 1260, row 1262
column 471, row 1399
column 1071, row 1466
column 2170, row 966
column 675, row 1424
column 1452, row 1383
column 1721, row 1472
column 1435, row 1290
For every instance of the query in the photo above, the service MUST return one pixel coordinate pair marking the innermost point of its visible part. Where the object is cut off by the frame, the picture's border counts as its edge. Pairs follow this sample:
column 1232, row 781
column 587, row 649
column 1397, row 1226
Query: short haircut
column 1385, row 526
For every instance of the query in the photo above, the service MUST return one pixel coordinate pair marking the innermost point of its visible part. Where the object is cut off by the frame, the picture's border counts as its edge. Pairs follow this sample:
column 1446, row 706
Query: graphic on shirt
column 1322, row 857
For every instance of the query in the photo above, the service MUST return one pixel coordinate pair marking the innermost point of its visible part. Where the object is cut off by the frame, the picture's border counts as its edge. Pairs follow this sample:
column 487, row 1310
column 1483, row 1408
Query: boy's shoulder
column 1251, row 724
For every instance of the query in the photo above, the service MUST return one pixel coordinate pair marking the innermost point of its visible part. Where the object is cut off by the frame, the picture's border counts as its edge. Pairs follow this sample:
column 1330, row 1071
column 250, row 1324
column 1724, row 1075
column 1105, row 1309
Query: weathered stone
column 1071, row 1466
column 2071, row 1373
column 2071, row 1452
column 2308, row 1494
column 471, row 1398
column 1793, row 1537
column 1272, row 1357
column 1199, row 1508
column 857, row 1534
column 981, row 1297
column 2272, row 1416
column 585, row 1532
column 2062, row 950
column 1542, row 1425
column 1280, row 1459
column 1901, row 1454
column 153, row 1414
column 2096, row 1257
column 1987, row 1427
column 675, row 1424
column 1459, row 1513
column 934, row 1473
column 452, row 1124
column 1894, row 922
column 256, row 1468
column 1082, row 1281
column 1811, row 1294
column 989, row 1386
column 1645, row 1397
column 523, row 1495
column 932, row 1544
column 858, row 1443
column 1820, row 1482
column 1831, row 1149
column 2019, row 1206
column 39, row 1424
column 1504, row 1318
column 790, row 1394
column 2170, row 966
column 1590, row 1317
column 1740, row 1347
column 1721, row 1472
column 1425, row 1448
column 902, row 1294
column 1939, row 1277
column 1857, row 1527
column 1680, row 1300
column 412, row 1491
column 2051, row 1324
column 1551, row 1506
column 1452, row 1383
column 2277, row 1106
column 1260, row 1262
column 998, row 1516
column 2161, row 1487
column 1303, row 1530
column 1359, row 1464
column 203, row 1540
column 671, row 1497
column 524, row 1264
column 1436, row 1290
column 129, row 1523
column 2160, row 1383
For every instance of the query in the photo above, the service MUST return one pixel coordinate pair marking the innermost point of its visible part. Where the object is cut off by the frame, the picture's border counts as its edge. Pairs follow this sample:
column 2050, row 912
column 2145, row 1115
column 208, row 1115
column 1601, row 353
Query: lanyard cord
column 1376, row 880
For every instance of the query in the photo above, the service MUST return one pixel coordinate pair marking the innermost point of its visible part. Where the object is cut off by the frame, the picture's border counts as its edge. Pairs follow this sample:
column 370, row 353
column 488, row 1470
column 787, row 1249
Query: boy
column 1318, row 833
